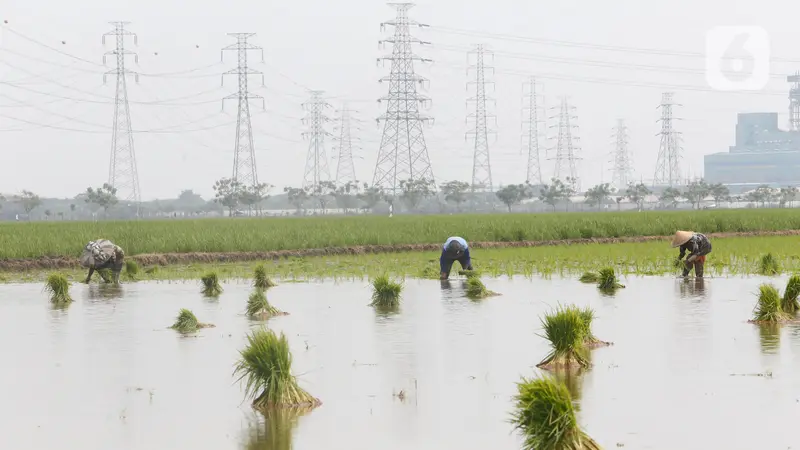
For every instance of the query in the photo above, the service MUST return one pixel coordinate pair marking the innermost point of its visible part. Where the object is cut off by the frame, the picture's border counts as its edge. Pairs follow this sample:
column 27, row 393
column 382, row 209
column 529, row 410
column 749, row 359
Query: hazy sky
column 56, row 113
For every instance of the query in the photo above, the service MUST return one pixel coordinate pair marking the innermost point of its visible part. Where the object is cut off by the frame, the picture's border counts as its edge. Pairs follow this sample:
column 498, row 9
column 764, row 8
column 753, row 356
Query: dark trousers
column 446, row 263
column 697, row 263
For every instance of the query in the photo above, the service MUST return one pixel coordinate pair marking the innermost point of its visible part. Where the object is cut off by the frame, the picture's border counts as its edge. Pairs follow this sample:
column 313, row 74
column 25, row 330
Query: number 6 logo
column 737, row 58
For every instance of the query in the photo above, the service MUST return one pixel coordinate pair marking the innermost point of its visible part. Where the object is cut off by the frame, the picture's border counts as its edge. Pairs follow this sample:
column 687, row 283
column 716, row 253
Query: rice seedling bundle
column 186, row 322
column 768, row 309
column 590, row 277
column 589, row 339
column 105, row 275
column 261, row 281
column 385, row 292
column 259, row 306
column 608, row 280
column 565, row 330
column 131, row 269
column 57, row 286
column 769, row 265
column 789, row 301
column 265, row 365
column 477, row 290
column 211, row 286
column 545, row 415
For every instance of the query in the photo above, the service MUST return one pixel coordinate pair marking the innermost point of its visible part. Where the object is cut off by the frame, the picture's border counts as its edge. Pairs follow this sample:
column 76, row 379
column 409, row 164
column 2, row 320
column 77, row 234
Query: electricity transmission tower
column 245, row 172
column 794, row 101
column 316, row 170
column 345, row 169
column 566, row 147
column 530, row 136
column 122, row 172
column 668, row 167
column 481, row 163
column 403, row 154
column 621, row 172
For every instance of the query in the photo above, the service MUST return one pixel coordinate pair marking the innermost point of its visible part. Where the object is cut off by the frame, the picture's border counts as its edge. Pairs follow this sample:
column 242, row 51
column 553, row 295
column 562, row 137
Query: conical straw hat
column 681, row 237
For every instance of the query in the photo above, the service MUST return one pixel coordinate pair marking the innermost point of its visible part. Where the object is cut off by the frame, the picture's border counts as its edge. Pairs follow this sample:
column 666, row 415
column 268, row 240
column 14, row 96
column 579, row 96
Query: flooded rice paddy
column 106, row 372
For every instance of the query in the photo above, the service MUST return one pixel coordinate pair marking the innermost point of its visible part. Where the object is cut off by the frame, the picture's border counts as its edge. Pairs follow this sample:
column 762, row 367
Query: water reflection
column 769, row 335
column 273, row 430
column 104, row 291
column 692, row 288
column 573, row 379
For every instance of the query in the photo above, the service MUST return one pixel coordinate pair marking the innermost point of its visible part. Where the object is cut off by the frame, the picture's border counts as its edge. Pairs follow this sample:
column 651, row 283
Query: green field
column 37, row 239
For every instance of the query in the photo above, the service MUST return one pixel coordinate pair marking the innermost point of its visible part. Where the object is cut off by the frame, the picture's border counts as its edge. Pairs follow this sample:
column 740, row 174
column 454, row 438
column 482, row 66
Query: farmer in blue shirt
column 454, row 249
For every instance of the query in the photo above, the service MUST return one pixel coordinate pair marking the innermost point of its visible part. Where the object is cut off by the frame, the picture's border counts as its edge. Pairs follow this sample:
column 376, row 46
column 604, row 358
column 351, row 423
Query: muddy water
column 106, row 373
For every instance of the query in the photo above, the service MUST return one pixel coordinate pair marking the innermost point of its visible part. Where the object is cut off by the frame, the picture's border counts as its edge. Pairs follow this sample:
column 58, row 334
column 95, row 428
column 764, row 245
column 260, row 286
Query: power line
column 481, row 162
column 316, row 170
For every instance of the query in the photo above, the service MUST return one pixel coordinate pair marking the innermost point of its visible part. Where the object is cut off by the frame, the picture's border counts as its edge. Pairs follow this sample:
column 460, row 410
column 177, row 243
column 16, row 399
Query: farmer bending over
column 103, row 254
column 454, row 249
column 698, row 246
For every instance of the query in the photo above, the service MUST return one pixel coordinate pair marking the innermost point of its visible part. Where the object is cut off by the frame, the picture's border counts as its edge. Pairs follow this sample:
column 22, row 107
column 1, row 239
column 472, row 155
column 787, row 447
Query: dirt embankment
column 11, row 265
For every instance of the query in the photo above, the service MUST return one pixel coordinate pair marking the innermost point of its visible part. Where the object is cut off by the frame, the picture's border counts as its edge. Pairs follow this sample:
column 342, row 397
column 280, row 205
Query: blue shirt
column 457, row 239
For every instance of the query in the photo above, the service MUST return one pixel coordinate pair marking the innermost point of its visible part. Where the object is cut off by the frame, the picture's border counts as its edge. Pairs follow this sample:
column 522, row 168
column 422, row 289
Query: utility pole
column 566, row 147
column 316, row 170
column 345, row 169
column 667, row 167
column 530, row 135
column 794, row 101
column 245, row 172
column 621, row 171
column 122, row 172
column 481, row 163
column 403, row 154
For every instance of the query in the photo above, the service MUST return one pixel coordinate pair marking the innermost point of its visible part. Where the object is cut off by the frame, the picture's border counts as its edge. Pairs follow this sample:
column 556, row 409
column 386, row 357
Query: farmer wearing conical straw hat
column 697, row 245
column 103, row 254
column 454, row 249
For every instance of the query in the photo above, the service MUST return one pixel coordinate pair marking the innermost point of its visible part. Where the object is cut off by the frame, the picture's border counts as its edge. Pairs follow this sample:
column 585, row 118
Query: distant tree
column 554, row 192
column 637, row 193
column 720, row 192
column 455, row 192
column 297, row 197
column 513, row 194
column 371, row 196
column 695, row 192
column 599, row 194
column 347, row 196
column 61, row 215
column 188, row 200
column 415, row 191
column 671, row 196
column 228, row 193
column 787, row 194
column 252, row 196
column 619, row 200
column 29, row 201
column 103, row 197
column 322, row 193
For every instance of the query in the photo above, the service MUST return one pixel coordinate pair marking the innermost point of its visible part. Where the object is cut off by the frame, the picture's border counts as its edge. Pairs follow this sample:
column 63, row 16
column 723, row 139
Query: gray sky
column 332, row 46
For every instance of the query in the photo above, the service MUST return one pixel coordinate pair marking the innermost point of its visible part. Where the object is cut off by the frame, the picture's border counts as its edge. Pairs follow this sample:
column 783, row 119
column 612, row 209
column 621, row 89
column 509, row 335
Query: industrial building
column 763, row 153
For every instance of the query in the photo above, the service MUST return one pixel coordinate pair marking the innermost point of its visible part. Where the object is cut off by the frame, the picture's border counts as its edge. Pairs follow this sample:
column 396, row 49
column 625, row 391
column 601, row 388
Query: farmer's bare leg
column 91, row 272
column 698, row 269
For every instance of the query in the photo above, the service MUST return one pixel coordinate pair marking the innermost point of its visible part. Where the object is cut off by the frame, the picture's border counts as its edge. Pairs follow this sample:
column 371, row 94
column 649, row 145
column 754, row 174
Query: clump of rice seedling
column 789, row 301
column 385, row 292
column 565, row 330
column 430, row 272
column 266, row 365
column 769, row 265
column 211, row 284
column 545, row 415
column 589, row 339
column 608, row 280
column 589, row 277
column 259, row 306
column 477, row 290
column 131, row 269
column 261, row 281
column 469, row 273
column 768, row 309
column 186, row 322
column 151, row 270
column 105, row 275
column 57, row 286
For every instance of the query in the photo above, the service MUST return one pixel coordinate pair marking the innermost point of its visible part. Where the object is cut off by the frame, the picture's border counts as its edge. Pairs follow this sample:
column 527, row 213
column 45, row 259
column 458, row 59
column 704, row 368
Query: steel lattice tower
column 794, row 101
column 316, row 162
column 566, row 147
column 530, row 137
column 621, row 172
column 245, row 171
column 122, row 172
column 481, row 163
column 668, row 165
column 345, row 169
column 403, row 153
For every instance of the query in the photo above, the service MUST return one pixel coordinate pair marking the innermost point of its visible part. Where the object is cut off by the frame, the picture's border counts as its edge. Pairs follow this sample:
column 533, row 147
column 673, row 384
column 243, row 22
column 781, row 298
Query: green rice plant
column 789, row 301
column 385, row 292
column 105, row 275
column 259, row 306
column 260, row 279
column 476, row 289
column 608, row 280
column 186, row 322
column 565, row 330
column 545, row 415
column 469, row 273
column 266, row 365
column 57, row 286
column 769, row 265
column 131, row 269
column 211, row 286
column 151, row 270
column 589, row 339
column 590, row 277
column 768, row 309
column 430, row 273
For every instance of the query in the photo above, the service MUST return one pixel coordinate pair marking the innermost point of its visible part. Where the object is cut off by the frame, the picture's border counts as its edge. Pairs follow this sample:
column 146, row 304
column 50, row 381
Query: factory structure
column 763, row 153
